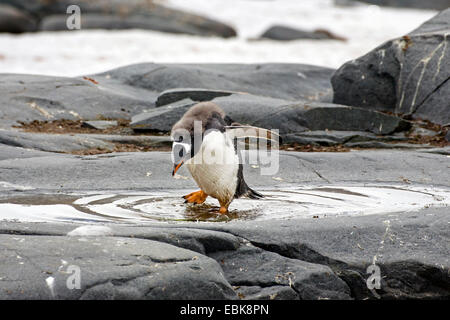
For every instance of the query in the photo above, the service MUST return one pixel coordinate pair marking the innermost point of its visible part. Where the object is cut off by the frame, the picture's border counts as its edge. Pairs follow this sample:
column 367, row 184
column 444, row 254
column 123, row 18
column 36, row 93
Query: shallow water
column 163, row 206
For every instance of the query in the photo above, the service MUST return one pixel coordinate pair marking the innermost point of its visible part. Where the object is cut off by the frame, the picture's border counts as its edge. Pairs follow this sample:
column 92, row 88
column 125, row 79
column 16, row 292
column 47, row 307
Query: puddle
column 163, row 206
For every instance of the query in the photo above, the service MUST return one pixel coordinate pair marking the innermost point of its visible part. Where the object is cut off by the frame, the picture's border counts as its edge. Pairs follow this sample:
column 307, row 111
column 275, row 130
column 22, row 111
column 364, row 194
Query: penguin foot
column 223, row 210
column 197, row 197
column 223, row 207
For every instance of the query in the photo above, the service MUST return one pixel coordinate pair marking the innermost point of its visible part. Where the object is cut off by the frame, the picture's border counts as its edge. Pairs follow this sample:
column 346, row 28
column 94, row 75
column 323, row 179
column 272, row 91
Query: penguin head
column 187, row 134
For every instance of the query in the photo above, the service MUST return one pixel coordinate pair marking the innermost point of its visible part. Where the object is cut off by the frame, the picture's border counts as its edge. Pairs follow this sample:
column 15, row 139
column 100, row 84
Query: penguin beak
column 176, row 167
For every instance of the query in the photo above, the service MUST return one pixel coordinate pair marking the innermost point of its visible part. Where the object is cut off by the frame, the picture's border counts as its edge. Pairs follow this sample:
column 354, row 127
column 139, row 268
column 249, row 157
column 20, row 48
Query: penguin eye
column 181, row 152
column 179, row 138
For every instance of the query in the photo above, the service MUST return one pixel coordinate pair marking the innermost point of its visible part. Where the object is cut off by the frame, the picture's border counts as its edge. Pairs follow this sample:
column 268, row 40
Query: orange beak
column 176, row 167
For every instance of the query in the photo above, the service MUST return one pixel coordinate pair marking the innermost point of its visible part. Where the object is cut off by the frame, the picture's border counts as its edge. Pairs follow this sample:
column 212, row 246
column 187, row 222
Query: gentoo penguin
column 203, row 141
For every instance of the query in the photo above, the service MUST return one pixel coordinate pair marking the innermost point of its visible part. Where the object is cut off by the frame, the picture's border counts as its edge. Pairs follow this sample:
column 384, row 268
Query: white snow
column 71, row 53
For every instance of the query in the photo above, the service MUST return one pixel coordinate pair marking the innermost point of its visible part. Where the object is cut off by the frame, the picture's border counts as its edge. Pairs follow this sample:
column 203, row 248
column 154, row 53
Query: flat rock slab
column 39, row 267
column 277, row 80
column 31, row 97
column 152, row 170
column 408, row 75
column 14, row 152
column 100, row 124
column 308, row 257
column 52, row 142
column 26, row 142
column 285, row 259
column 334, row 137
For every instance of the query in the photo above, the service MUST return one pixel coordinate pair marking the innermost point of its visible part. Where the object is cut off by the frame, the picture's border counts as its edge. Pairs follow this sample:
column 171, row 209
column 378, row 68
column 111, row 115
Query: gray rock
column 269, row 293
column 12, row 152
column 284, row 33
column 330, row 137
column 417, row 4
column 416, row 130
column 37, row 267
column 201, row 241
column 254, row 267
column 322, row 116
column 443, row 151
column 174, row 95
column 52, row 142
column 15, row 21
column 168, row 21
column 408, row 75
column 411, row 249
column 447, row 136
column 276, row 80
column 23, row 144
column 283, row 115
column 383, row 145
column 69, row 173
column 323, row 258
column 99, row 124
column 30, row 97
column 161, row 119
column 138, row 140
column 121, row 14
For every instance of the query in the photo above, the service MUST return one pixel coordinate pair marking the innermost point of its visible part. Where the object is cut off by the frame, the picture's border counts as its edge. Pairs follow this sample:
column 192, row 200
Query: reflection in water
column 163, row 206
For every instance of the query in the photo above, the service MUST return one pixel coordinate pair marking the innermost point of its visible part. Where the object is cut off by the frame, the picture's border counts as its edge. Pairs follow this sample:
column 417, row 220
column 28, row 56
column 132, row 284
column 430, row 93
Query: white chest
column 215, row 166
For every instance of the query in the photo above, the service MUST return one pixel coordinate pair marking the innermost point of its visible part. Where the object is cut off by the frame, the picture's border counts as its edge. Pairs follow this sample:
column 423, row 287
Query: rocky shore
column 68, row 180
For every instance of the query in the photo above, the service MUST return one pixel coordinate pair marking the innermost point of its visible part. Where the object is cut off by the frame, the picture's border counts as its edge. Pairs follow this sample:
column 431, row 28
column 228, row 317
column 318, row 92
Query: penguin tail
column 243, row 190
column 252, row 194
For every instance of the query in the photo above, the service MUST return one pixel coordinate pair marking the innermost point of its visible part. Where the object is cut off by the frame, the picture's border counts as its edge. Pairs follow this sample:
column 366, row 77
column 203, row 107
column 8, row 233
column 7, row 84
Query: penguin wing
column 251, row 133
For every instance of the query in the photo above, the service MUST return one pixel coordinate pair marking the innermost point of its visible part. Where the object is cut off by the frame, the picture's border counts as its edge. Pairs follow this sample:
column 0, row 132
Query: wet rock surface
column 308, row 259
column 297, row 258
column 408, row 75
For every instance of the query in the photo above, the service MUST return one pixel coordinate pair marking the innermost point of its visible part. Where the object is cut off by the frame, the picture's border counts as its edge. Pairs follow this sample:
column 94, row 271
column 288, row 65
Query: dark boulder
column 250, row 266
column 14, row 20
column 286, row 116
column 409, row 75
column 123, row 14
column 284, row 33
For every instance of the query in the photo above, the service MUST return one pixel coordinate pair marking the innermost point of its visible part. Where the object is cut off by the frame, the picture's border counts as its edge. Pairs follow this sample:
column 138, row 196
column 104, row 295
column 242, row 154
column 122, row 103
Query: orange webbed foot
column 197, row 197
column 223, row 210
